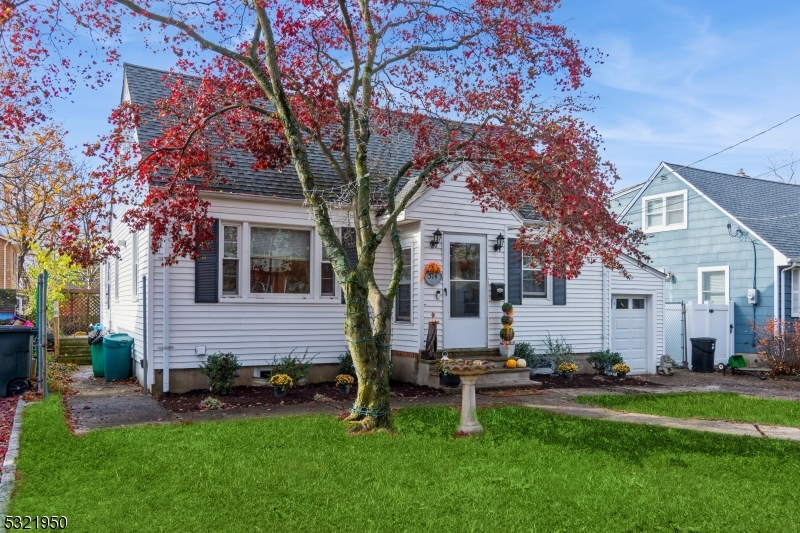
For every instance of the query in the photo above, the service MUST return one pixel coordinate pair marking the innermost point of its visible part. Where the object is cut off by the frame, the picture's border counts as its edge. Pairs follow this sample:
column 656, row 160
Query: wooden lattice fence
column 78, row 310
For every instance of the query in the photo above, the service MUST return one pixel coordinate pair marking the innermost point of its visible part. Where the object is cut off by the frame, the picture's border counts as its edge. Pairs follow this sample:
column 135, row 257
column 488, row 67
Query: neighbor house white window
column 534, row 283
column 230, row 259
column 796, row 292
column 280, row 261
column 403, row 303
column 712, row 285
column 664, row 212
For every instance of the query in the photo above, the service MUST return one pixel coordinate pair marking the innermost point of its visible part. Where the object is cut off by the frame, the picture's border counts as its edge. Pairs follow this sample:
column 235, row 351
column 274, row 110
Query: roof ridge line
column 676, row 168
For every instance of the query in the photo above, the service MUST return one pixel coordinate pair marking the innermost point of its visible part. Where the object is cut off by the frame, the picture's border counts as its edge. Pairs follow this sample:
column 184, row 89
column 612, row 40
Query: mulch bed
column 258, row 396
column 8, row 406
column 588, row 381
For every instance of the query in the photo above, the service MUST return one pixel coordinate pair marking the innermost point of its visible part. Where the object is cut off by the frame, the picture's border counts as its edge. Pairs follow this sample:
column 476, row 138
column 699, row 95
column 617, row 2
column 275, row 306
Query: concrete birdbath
column 468, row 371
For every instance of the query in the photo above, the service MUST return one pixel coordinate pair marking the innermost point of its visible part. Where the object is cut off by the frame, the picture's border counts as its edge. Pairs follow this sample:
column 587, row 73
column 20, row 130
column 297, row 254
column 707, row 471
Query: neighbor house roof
column 146, row 86
column 770, row 209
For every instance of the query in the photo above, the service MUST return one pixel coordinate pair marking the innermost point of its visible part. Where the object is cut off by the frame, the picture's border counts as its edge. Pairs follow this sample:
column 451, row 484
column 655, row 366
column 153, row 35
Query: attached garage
column 629, row 331
column 636, row 317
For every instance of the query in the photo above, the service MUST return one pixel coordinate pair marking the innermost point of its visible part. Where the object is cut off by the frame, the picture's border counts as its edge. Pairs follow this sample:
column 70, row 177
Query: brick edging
column 10, row 463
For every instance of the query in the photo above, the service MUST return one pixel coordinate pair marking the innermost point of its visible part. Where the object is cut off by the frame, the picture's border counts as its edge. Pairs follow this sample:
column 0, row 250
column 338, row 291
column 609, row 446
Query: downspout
column 165, row 337
column 782, row 310
column 603, row 300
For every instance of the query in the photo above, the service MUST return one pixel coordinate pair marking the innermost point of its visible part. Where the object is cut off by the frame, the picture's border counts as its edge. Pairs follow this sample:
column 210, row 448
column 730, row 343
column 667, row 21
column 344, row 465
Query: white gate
column 711, row 320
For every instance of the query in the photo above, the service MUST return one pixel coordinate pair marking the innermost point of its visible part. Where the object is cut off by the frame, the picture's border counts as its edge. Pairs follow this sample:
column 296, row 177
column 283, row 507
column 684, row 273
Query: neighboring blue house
column 686, row 213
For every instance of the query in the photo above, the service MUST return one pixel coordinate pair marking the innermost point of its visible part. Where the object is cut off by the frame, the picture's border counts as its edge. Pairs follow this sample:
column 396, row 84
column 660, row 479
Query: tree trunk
column 370, row 349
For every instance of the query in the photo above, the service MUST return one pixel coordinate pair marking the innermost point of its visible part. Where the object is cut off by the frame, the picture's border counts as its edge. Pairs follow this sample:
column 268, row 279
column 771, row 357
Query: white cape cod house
column 265, row 288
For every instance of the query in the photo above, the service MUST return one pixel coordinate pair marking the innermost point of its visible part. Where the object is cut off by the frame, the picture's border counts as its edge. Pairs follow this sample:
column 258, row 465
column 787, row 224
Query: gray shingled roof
column 146, row 86
column 769, row 208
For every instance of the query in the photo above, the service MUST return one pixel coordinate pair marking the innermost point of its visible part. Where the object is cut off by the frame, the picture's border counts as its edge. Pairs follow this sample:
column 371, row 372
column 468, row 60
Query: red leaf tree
column 493, row 85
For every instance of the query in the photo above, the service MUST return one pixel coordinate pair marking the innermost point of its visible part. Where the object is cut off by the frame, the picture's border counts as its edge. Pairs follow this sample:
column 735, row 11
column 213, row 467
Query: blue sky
column 682, row 80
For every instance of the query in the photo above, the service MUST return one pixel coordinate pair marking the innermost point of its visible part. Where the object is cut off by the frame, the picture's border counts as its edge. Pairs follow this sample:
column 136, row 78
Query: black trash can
column 703, row 354
column 16, row 348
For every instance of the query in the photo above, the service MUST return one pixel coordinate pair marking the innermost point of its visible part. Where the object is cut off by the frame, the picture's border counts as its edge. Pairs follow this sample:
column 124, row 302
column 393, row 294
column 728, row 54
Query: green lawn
column 710, row 405
column 531, row 471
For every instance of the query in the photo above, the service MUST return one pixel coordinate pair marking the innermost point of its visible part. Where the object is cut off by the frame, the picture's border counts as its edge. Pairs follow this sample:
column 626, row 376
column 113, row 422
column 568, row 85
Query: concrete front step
column 467, row 353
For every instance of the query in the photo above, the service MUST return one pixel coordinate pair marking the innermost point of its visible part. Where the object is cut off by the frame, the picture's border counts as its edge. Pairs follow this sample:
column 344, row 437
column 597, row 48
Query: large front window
column 279, row 261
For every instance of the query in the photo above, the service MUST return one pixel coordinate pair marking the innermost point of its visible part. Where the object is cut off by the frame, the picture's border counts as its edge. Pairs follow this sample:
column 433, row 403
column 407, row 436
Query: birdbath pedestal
column 469, row 375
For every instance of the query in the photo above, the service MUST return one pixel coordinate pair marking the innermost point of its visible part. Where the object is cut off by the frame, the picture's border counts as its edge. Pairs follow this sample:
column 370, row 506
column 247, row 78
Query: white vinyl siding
column 664, row 212
column 796, row 292
column 712, row 285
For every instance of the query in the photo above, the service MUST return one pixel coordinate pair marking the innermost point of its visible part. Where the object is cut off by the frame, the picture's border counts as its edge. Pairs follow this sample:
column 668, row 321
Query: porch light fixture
column 437, row 238
column 498, row 242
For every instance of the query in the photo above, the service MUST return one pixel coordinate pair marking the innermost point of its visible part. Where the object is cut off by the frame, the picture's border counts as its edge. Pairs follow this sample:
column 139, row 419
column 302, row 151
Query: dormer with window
column 664, row 212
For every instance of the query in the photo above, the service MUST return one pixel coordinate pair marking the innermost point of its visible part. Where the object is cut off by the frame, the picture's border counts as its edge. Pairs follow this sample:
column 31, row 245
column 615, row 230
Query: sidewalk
column 97, row 404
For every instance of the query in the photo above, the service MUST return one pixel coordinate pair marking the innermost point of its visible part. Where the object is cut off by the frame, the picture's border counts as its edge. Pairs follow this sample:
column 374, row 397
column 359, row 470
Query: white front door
column 629, row 331
column 465, row 311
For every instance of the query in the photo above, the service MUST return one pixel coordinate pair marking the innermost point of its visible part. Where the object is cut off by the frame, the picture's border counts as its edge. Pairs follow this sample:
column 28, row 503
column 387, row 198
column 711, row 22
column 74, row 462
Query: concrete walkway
column 97, row 404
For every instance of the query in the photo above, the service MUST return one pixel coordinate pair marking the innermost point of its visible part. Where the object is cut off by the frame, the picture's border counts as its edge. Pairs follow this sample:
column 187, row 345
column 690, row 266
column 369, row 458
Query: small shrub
column 524, row 350
column 220, row 369
column 294, row 367
column 558, row 351
column 779, row 345
column 603, row 361
column 211, row 404
column 346, row 364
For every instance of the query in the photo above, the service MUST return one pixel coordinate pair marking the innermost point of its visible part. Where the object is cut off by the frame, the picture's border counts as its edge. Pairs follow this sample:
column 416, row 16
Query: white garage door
column 629, row 331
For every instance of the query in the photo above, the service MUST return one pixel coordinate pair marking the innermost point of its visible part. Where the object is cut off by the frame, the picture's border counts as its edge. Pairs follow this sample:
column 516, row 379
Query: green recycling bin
column 98, row 364
column 117, row 356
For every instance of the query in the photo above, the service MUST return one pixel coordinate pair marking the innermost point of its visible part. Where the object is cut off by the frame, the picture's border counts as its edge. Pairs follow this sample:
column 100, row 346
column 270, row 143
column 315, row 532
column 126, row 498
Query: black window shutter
column 349, row 243
column 559, row 291
column 514, row 288
column 206, row 270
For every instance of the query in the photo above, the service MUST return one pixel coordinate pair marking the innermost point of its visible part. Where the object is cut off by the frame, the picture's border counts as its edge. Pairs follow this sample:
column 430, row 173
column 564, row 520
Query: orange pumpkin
column 511, row 363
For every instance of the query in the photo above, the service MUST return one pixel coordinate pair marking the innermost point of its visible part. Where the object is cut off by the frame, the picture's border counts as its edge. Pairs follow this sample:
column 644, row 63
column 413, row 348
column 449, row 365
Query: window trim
column 240, row 248
column 410, row 318
column 548, row 286
column 320, row 252
column 721, row 268
column 663, row 197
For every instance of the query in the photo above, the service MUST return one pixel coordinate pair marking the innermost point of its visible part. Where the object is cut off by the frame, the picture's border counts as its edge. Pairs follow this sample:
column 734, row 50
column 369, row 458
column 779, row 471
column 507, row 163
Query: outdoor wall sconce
column 437, row 238
column 498, row 242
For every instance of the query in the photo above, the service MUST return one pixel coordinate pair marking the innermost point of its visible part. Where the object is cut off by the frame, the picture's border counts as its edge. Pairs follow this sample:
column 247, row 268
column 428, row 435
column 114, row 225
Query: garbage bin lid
column 18, row 329
column 117, row 339
column 703, row 339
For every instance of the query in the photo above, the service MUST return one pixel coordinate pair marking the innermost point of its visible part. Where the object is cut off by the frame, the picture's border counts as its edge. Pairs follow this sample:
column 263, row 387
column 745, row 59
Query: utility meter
column 752, row 296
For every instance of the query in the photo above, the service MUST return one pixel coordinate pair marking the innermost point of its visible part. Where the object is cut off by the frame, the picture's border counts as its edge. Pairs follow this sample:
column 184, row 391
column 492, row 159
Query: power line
column 675, row 171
